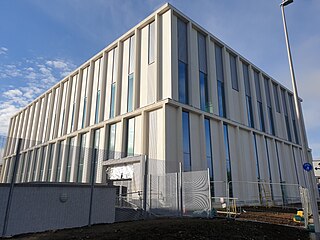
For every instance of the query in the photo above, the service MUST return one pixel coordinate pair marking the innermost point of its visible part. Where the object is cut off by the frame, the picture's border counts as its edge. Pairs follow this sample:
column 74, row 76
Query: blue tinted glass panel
column 234, row 74
column 228, row 160
column 293, row 116
column 256, row 156
column 221, row 99
column 249, row 111
column 113, row 92
column 276, row 97
column 261, row 117
column 202, row 55
column 130, row 92
column 186, row 142
column 182, row 41
column 219, row 63
column 246, row 79
column 271, row 123
column 208, row 147
column 204, row 98
column 96, row 117
column 183, row 82
column 84, row 111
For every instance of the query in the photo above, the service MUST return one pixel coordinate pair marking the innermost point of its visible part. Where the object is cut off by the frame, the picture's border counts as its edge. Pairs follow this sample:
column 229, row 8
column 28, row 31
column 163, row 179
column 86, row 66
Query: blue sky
column 41, row 41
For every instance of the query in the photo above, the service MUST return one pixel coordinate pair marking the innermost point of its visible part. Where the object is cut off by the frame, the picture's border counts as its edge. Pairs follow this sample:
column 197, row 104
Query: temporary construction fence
column 171, row 194
column 179, row 194
column 235, row 195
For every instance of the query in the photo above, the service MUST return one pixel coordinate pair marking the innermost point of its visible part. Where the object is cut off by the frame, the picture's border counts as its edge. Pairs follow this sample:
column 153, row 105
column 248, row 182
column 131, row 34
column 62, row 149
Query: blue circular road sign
column 307, row 167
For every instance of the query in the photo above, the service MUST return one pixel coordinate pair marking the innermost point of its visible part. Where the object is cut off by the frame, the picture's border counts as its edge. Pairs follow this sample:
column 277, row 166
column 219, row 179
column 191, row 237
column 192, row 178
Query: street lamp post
column 313, row 201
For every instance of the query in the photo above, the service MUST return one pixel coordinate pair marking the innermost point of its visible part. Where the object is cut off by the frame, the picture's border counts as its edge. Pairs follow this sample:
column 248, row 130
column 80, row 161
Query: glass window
column 113, row 93
column 204, row 98
column 71, row 153
column 29, row 165
column 293, row 116
column 183, row 82
column 96, row 146
column 64, row 91
column 96, row 117
column 131, row 54
column 130, row 137
column 221, row 99
column 54, row 113
column 234, row 74
column 186, row 142
column 22, row 162
column 220, row 80
column 259, row 101
column 257, row 157
column 151, row 45
column 59, row 160
column 203, row 82
column 208, row 147
column 285, row 111
column 209, row 154
column 228, row 160
column 42, row 159
column 35, row 163
column 248, row 94
column 202, row 55
column 83, row 98
column 82, row 153
column 130, row 93
column 111, row 141
column 219, row 63
column 46, row 129
column 50, row 160
column 73, row 102
column 269, row 166
column 276, row 97
column 283, row 190
column 96, row 91
column 84, row 112
column 261, row 117
column 270, row 115
column 182, row 62
column 182, row 41
column 130, row 76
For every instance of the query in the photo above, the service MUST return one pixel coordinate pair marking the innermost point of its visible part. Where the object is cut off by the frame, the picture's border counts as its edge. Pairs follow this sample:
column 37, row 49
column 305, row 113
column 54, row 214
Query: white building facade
column 169, row 90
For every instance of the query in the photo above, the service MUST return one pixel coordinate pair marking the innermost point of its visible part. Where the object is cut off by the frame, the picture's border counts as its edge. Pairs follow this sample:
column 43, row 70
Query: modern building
column 166, row 90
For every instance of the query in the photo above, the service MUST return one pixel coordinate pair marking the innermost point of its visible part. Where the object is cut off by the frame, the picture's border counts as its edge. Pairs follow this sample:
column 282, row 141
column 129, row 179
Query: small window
column 276, row 97
column 234, row 74
column 151, row 43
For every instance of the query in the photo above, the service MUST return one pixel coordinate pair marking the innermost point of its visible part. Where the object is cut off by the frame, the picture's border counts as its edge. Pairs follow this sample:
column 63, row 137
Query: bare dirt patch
column 178, row 228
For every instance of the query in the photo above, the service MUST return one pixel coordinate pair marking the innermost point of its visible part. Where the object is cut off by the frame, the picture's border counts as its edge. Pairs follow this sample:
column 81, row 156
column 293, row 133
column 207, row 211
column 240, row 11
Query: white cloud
column 30, row 79
column 13, row 93
column 3, row 50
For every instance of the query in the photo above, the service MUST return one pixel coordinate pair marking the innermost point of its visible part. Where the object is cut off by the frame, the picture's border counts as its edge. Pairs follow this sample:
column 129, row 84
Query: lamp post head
column 286, row 2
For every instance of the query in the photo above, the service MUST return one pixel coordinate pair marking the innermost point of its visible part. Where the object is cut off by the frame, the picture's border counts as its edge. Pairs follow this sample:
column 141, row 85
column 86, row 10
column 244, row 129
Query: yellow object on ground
column 299, row 216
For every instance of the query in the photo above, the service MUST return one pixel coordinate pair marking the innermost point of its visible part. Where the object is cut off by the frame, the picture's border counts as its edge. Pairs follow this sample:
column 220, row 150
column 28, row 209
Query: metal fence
column 179, row 194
